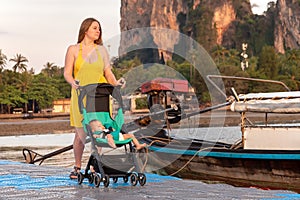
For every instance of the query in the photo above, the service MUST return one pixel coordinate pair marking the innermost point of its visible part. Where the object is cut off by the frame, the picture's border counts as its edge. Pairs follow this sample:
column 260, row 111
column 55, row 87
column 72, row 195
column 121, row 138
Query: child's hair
column 94, row 120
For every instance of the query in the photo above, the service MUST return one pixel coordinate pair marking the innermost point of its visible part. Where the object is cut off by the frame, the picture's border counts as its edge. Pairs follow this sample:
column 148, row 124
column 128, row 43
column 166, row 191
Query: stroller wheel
column 125, row 179
column 97, row 180
column 80, row 178
column 133, row 179
column 142, row 179
column 91, row 178
column 115, row 179
column 106, row 180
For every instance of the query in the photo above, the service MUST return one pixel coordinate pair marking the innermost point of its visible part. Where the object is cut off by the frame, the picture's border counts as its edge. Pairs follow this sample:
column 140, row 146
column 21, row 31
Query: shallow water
column 20, row 181
column 216, row 134
column 11, row 146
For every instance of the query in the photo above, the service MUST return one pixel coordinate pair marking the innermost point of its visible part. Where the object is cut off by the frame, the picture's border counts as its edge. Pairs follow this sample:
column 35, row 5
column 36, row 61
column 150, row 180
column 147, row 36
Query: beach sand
column 14, row 127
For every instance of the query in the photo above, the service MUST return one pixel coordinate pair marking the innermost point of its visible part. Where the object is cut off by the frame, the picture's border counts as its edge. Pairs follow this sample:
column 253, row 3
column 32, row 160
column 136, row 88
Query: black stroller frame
column 97, row 97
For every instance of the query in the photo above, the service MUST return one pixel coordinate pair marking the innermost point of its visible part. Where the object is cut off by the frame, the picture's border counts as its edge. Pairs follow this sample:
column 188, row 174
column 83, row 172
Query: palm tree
column 51, row 70
column 20, row 63
column 23, row 83
column 3, row 59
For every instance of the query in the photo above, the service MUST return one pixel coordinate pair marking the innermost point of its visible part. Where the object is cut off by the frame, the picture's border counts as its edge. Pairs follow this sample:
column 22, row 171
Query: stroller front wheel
column 97, row 180
column 125, row 179
column 115, row 179
column 142, row 179
column 91, row 178
column 80, row 178
column 106, row 180
column 133, row 179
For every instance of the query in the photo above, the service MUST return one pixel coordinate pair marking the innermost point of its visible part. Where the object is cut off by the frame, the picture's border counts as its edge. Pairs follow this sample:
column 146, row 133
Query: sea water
column 221, row 134
column 215, row 134
column 11, row 146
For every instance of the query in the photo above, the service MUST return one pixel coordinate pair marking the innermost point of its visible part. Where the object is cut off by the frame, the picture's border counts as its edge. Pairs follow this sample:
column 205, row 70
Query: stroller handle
column 95, row 89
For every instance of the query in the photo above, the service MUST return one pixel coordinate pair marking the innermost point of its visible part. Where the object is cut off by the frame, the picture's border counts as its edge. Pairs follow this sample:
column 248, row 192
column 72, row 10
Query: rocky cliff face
column 164, row 14
column 223, row 21
column 224, row 15
column 287, row 25
column 137, row 14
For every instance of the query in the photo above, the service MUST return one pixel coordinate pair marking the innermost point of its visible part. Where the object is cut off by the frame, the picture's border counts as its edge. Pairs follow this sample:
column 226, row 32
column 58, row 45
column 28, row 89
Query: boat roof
column 272, row 102
column 270, row 95
column 267, row 106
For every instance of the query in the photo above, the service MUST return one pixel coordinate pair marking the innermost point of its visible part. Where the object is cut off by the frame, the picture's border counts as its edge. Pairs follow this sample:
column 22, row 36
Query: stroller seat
column 102, row 142
column 112, row 126
column 95, row 103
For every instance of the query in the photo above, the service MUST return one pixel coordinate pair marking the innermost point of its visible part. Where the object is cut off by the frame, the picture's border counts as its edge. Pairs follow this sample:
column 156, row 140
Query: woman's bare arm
column 69, row 65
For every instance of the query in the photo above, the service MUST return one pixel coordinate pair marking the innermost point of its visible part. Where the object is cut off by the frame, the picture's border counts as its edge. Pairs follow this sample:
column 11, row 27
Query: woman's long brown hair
column 85, row 25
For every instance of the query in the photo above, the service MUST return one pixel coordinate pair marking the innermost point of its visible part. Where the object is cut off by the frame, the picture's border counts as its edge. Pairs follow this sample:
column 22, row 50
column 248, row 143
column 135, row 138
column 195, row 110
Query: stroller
column 98, row 106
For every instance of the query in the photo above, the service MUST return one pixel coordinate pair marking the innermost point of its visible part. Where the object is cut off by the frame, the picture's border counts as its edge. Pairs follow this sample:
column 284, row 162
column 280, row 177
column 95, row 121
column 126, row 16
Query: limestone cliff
column 164, row 14
column 137, row 14
column 223, row 22
column 287, row 25
column 224, row 15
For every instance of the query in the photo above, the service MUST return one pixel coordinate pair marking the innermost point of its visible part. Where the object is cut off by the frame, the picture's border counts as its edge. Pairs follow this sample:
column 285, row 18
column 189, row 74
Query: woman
column 86, row 62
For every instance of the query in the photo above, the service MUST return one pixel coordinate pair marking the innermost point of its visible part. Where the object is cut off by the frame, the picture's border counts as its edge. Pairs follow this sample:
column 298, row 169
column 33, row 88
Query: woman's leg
column 78, row 145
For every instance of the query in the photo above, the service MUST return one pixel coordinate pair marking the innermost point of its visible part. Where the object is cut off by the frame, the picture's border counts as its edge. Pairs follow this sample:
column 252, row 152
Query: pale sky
column 41, row 30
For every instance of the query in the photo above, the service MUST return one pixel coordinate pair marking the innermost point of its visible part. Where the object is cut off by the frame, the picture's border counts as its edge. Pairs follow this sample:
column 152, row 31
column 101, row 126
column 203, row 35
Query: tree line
column 20, row 87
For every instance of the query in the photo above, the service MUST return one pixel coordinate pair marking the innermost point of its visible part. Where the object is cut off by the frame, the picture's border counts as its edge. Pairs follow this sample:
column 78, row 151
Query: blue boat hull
column 209, row 161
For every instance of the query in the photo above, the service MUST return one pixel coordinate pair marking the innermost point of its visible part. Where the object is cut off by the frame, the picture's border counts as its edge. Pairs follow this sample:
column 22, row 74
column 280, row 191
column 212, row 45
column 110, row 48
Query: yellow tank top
column 86, row 73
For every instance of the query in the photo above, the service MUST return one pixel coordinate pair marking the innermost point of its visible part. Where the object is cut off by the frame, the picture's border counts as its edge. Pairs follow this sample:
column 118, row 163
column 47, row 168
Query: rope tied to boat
column 167, row 141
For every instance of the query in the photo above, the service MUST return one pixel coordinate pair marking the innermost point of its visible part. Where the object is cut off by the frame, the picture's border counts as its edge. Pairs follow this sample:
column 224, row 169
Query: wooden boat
column 266, row 156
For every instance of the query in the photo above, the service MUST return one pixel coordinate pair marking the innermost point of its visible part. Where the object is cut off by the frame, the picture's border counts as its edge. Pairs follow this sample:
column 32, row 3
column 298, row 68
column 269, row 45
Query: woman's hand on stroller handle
column 121, row 83
column 75, row 84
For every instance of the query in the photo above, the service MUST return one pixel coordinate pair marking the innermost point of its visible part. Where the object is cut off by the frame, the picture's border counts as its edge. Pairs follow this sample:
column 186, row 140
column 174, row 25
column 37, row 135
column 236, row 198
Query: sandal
column 74, row 174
